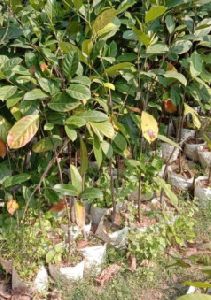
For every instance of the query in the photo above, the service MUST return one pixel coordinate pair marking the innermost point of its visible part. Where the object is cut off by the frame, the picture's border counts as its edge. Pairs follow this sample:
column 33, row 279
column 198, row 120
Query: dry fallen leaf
column 12, row 206
column 107, row 274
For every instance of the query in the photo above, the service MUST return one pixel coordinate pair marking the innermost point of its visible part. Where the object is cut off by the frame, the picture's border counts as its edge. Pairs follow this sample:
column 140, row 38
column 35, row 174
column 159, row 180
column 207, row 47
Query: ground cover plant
column 105, row 128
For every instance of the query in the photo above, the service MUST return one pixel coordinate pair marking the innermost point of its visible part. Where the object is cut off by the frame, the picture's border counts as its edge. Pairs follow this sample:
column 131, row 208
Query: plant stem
column 139, row 199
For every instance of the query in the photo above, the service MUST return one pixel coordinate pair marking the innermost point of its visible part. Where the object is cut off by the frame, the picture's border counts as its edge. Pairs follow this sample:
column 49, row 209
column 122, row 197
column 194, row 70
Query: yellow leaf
column 149, row 127
column 110, row 86
column 12, row 206
column 193, row 113
column 80, row 214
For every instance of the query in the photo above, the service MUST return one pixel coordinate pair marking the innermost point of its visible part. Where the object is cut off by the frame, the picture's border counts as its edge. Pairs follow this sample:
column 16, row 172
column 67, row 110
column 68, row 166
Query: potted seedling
column 144, row 171
column 79, row 193
column 20, row 244
column 192, row 143
column 204, row 153
column 203, row 183
column 63, row 264
column 94, row 252
column 180, row 176
column 100, row 206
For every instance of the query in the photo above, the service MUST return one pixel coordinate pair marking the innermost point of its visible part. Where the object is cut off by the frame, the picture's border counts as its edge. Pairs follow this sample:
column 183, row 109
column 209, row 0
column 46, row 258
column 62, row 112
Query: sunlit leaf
column 189, row 110
column 23, row 131
column 149, row 127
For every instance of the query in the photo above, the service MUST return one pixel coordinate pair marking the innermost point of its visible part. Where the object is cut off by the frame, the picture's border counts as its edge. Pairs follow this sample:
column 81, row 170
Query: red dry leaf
column 107, row 274
column 59, row 206
column 169, row 106
column 3, row 149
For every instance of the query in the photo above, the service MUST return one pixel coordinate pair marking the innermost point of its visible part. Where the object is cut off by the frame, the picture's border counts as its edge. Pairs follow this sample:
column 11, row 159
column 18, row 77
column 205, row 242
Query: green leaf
column 196, row 64
column 87, row 47
column 107, row 149
column 195, row 296
column 91, row 194
column 157, row 49
column 62, row 102
column 35, row 94
column 170, row 24
column 76, row 178
column 142, row 36
column 66, row 189
column 97, row 150
column 23, row 131
column 47, row 144
column 93, row 116
column 7, row 91
column 168, row 141
column 115, row 69
column 70, row 64
column 120, row 141
column 4, row 129
column 105, row 128
column 81, row 79
column 154, row 12
column 181, row 46
column 167, row 190
column 76, row 121
column 71, row 133
column 189, row 110
column 102, row 21
column 124, row 5
column 15, row 180
column 176, row 75
column 83, row 157
column 79, row 92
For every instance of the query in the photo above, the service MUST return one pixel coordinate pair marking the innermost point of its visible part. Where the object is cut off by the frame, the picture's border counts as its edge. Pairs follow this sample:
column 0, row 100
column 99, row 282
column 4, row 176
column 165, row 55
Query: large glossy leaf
column 93, row 116
column 154, row 12
column 115, row 69
column 15, row 180
column 76, row 121
column 35, row 94
column 157, row 49
column 189, row 110
column 181, row 46
column 62, row 102
column 97, row 150
column 176, row 75
column 149, row 127
column 66, row 189
column 23, row 131
column 105, row 128
column 196, row 64
column 7, row 91
column 70, row 64
column 76, row 178
column 71, row 133
column 124, row 5
column 79, row 91
column 91, row 194
column 102, row 21
column 47, row 144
